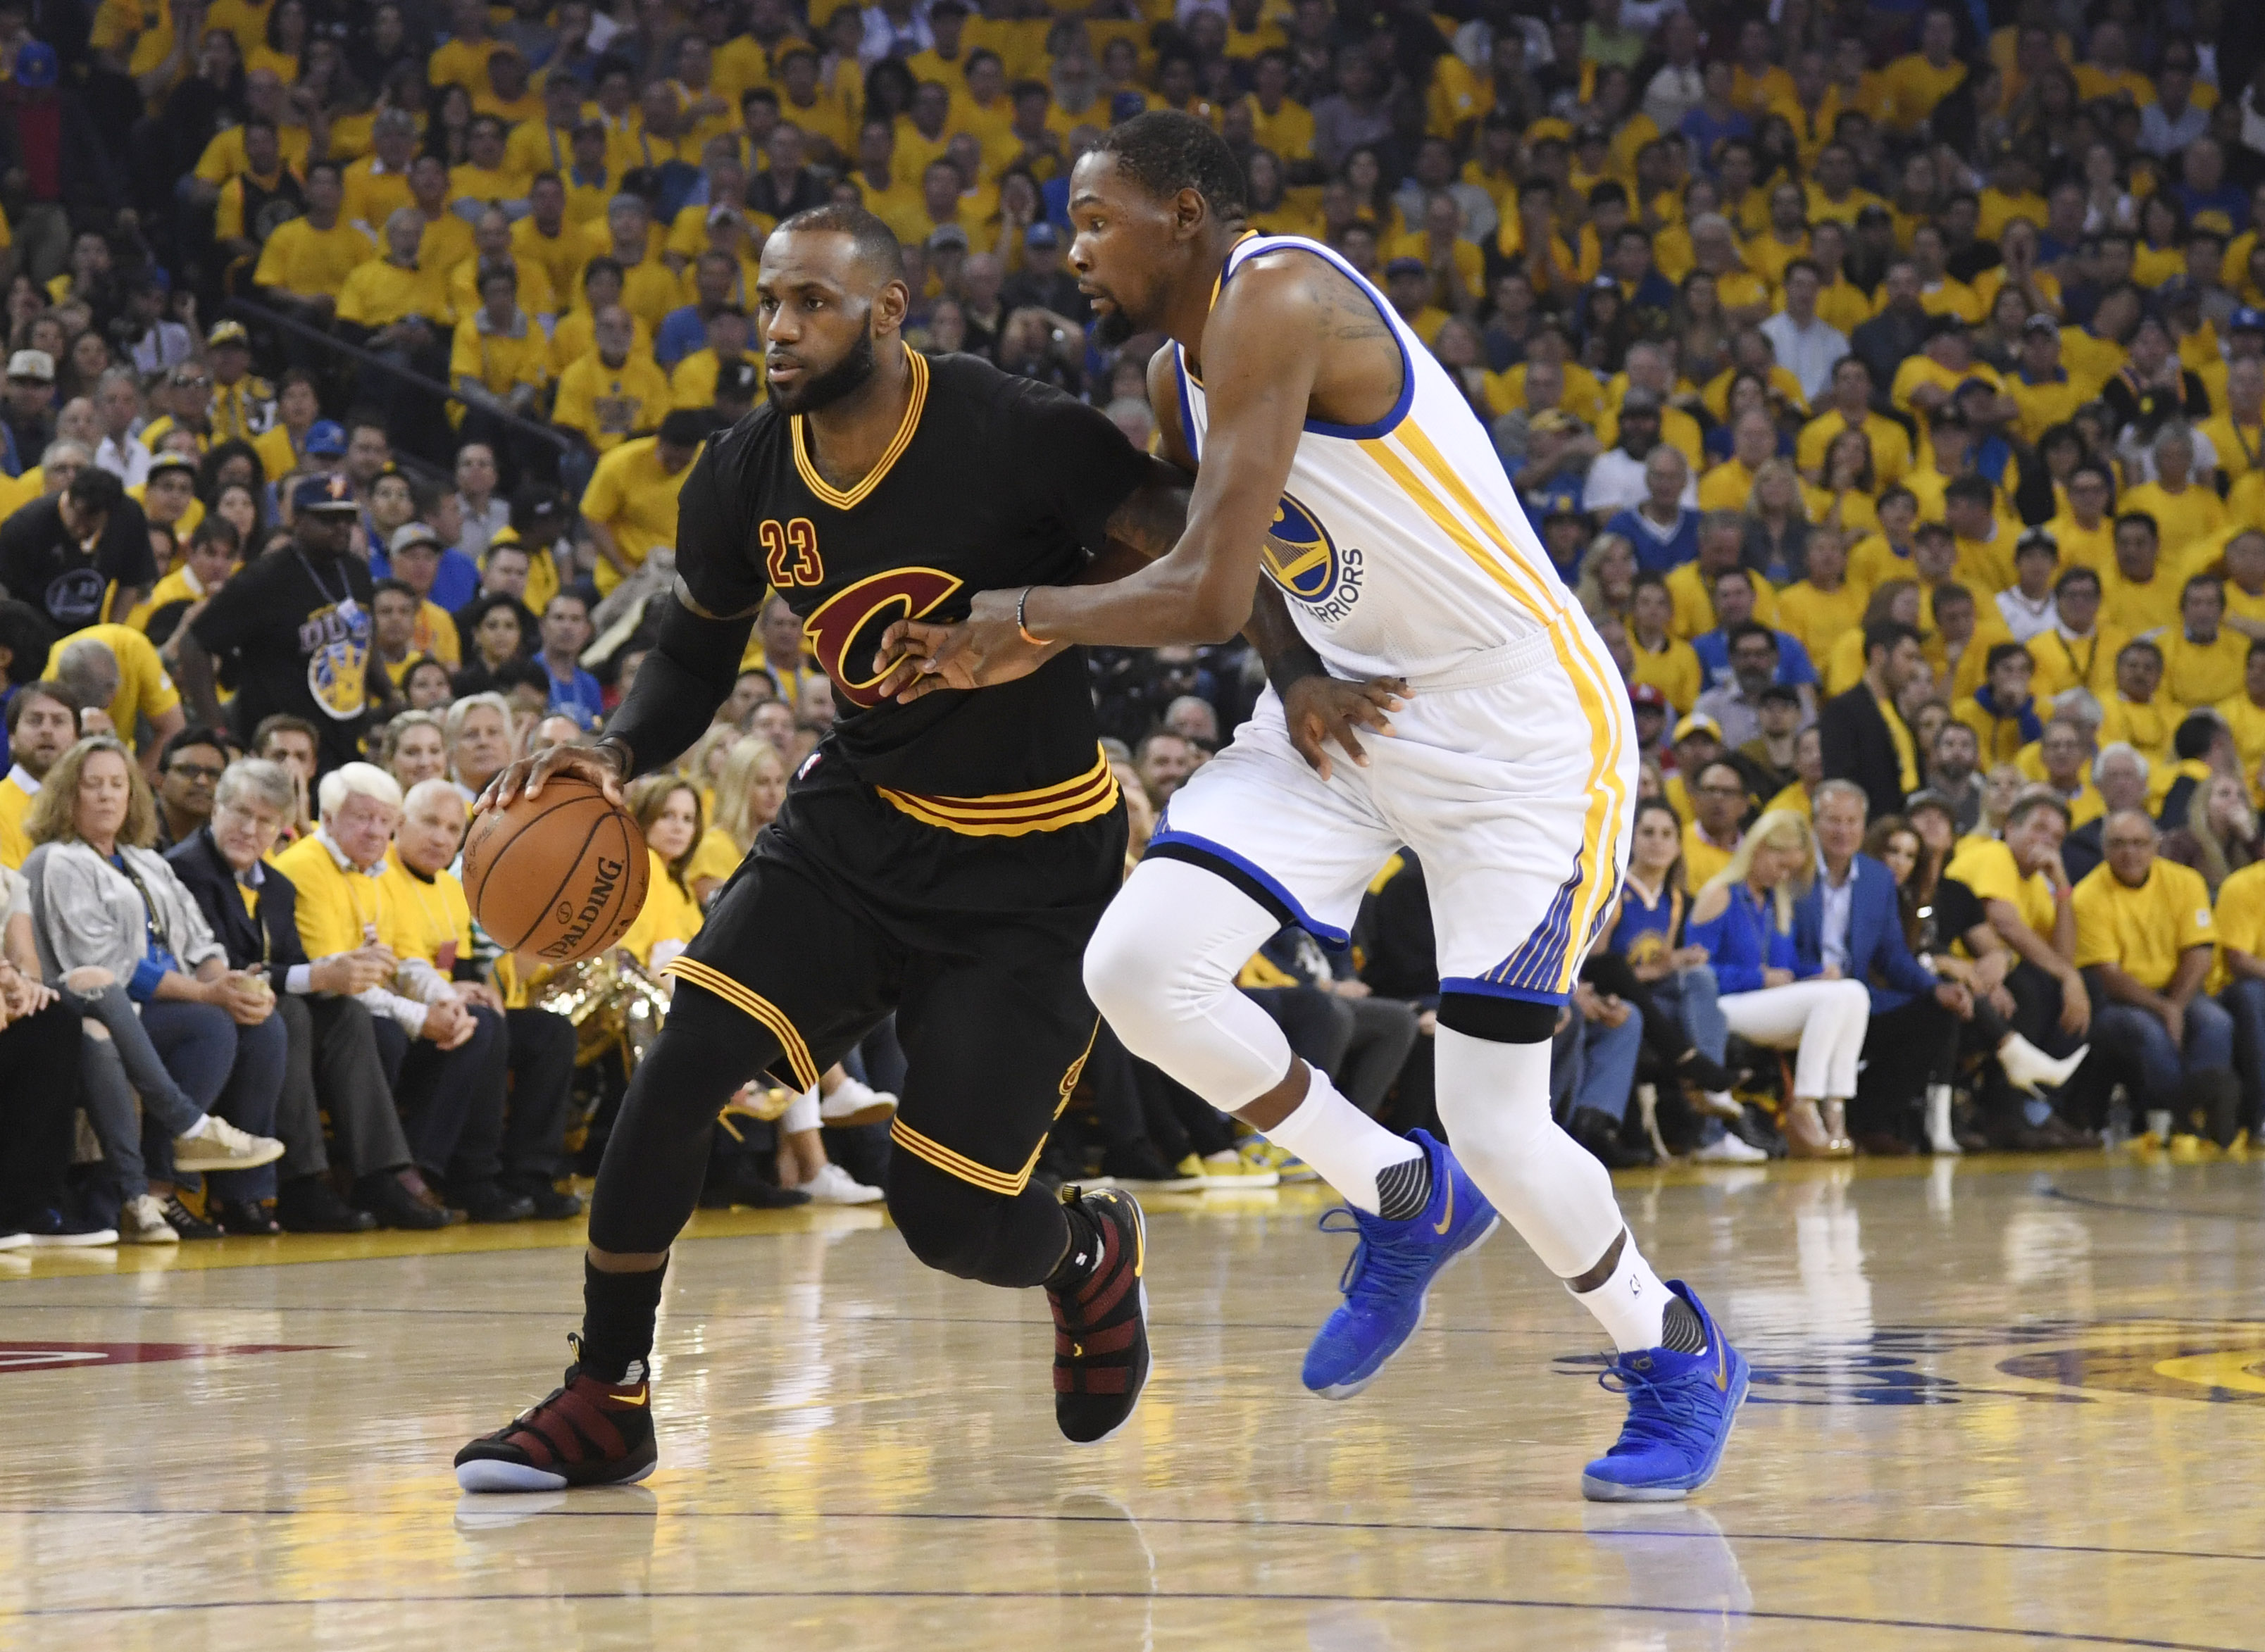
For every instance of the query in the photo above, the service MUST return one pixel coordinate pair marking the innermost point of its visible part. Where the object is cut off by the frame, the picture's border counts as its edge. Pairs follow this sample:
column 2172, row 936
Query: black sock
column 1403, row 1189
column 1683, row 1331
column 1084, row 1253
column 618, row 1310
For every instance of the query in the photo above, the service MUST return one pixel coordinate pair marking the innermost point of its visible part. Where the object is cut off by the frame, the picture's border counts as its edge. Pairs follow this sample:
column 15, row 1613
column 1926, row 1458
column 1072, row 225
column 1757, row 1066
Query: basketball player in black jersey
column 946, row 859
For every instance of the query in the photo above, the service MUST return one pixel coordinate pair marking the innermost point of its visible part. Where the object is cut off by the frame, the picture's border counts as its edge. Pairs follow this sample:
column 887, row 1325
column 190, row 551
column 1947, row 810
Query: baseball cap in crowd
column 409, row 536
column 328, row 495
column 37, row 66
column 1939, row 326
column 1697, row 722
column 227, row 332
column 1647, row 697
column 948, row 238
column 1042, row 233
column 35, row 365
column 1403, row 266
column 2043, row 322
column 1122, row 106
column 326, row 438
column 170, row 460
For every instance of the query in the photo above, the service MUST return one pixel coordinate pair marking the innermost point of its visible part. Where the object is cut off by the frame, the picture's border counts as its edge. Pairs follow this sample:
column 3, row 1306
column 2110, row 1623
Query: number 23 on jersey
column 790, row 552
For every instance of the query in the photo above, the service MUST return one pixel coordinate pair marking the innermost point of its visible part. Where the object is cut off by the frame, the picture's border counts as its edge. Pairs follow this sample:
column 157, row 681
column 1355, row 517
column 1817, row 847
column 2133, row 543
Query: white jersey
column 1401, row 546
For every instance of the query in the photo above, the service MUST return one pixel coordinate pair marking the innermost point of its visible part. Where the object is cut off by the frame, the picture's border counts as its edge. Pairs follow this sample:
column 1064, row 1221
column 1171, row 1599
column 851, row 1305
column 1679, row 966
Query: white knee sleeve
column 1494, row 1100
column 1162, row 969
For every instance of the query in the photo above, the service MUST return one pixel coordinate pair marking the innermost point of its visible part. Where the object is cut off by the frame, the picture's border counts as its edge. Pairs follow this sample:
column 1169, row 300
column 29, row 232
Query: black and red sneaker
column 1101, row 1324
column 587, row 1433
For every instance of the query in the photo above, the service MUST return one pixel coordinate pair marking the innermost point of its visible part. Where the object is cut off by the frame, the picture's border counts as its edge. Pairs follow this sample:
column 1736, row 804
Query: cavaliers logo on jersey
column 846, row 630
column 1306, row 562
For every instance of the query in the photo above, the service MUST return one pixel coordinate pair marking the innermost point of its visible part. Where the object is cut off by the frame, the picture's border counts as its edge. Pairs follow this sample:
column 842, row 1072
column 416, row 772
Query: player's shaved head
column 1165, row 152
column 877, row 251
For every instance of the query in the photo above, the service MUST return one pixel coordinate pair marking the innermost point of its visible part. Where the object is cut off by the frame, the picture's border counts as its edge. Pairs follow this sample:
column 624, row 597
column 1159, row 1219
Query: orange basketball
column 558, row 878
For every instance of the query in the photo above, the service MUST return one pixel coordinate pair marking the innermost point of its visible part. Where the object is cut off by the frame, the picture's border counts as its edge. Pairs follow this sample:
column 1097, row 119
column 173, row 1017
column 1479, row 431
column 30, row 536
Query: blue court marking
column 1498, row 1602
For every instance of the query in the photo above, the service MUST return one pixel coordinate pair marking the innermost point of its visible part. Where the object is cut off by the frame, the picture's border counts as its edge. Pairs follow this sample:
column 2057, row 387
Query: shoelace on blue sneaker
column 1662, row 1410
column 1378, row 1265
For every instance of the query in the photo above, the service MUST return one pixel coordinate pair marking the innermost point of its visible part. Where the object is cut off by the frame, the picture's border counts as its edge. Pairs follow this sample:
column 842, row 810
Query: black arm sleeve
column 689, row 673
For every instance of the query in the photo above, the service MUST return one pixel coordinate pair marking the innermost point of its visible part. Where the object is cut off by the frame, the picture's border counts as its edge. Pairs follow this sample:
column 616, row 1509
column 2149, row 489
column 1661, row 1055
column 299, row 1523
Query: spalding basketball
column 559, row 876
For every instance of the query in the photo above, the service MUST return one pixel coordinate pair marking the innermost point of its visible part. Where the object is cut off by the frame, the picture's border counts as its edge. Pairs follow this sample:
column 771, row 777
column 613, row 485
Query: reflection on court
column 1995, row 1405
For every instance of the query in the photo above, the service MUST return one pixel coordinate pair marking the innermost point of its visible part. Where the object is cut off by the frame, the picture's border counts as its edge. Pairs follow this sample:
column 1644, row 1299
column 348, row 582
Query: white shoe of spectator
column 2027, row 1067
column 1729, row 1149
column 142, row 1222
column 217, row 1145
column 853, row 1103
column 14, row 1241
column 833, row 1185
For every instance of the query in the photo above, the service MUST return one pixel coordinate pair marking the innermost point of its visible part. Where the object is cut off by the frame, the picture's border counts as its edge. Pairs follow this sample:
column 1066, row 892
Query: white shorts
column 1513, row 781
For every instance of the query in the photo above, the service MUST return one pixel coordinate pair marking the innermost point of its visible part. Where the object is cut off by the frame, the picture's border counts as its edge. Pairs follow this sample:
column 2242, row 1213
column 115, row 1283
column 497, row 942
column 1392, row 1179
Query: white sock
column 199, row 1131
column 1632, row 1304
column 1348, row 1147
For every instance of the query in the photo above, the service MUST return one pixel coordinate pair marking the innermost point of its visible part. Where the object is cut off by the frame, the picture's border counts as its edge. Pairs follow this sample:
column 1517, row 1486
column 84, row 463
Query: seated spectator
column 444, row 1065
column 519, row 1147
column 565, row 634
column 1771, row 760
column 1592, row 1071
column 42, row 725
column 2200, row 746
column 2220, row 837
column 1662, row 659
column 292, row 743
column 1847, row 927
column 1743, row 917
column 40, row 1046
column 2002, row 713
column 331, row 1066
column 1735, row 702
column 1365, row 1038
column 1719, row 802
column 187, row 770
column 2119, row 777
column 428, row 685
column 2024, row 892
column 1953, row 758
column 128, row 944
column 479, row 733
column 2145, row 941
column 2239, row 921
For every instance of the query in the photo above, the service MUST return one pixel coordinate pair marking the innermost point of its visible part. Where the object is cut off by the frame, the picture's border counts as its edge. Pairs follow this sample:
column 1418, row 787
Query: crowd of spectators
column 1888, row 384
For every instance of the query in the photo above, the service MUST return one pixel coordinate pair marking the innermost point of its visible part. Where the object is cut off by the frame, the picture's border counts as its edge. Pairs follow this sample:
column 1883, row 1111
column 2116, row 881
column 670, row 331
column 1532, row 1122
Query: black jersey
column 993, row 481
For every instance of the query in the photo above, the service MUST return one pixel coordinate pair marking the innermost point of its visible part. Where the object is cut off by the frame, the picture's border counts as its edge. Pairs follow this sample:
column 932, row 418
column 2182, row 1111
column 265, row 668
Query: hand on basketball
column 1320, row 709
column 600, row 765
column 986, row 647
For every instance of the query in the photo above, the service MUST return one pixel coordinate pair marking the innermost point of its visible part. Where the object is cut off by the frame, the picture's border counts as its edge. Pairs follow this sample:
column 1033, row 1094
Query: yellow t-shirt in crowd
column 609, row 404
column 307, row 262
column 1987, row 866
column 2086, row 662
column 2203, row 673
column 2182, row 519
column 2239, row 920
column 2146, row 726
column 1892, row 448
column 379, row 293
column 15, row 803
column 144, row 690
column 1694, row 604
column 669, row 913
column 2247, row 721
column 717, row 857
column 2144, row 931
column 2136, row 608
column 1701, row 860
column 1820, row 618
column 424, row 918
column 1674, row 671
column 636, row 499
column 336, row 907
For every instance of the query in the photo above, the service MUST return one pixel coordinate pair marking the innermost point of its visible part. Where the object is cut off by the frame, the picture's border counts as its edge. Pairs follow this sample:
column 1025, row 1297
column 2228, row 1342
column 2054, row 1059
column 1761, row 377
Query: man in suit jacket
column 252, row 909
column 1862, row 734
column 1849, row 923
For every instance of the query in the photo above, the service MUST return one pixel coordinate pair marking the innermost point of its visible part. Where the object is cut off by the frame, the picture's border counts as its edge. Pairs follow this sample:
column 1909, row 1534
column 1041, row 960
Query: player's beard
column 1114, row 328
column 845, row 377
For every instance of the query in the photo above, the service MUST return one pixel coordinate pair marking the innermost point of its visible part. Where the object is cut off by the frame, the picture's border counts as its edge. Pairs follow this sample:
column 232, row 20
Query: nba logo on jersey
column 1304, row 560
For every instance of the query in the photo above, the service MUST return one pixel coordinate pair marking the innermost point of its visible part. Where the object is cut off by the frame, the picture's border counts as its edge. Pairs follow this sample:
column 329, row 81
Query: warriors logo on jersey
column 1304, row 560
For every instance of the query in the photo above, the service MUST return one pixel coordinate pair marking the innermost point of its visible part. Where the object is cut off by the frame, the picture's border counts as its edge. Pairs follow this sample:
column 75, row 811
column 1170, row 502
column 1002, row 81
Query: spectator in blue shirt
column 566, row 632
column 1734, row 606
column 1661, row 529
column 1716, row 118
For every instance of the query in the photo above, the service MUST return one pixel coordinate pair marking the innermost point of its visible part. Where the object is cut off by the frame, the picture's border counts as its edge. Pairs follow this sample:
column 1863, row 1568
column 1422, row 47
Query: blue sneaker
column 1391, row 1273
column 1680, row 1409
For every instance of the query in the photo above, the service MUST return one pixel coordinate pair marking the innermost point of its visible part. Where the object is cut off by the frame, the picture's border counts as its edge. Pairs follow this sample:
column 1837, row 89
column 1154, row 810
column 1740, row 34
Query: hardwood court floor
column 2010, row 1404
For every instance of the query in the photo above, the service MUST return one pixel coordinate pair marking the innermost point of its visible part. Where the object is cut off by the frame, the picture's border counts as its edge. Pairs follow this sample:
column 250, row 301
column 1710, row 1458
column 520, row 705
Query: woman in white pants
column 1743, row 917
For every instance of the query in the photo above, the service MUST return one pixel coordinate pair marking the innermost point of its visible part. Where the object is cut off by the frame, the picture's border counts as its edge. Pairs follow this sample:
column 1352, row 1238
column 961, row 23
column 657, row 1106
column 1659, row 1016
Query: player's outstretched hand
column 600, row 765
column 986, row 647
column 1320, row 709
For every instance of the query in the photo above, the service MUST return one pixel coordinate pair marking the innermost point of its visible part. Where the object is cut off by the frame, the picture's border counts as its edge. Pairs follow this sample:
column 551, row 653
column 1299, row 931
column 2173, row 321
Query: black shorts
column 848, row 908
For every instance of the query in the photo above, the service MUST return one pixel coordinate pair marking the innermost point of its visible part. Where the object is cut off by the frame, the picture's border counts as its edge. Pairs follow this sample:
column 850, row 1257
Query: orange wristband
column 1021, row 629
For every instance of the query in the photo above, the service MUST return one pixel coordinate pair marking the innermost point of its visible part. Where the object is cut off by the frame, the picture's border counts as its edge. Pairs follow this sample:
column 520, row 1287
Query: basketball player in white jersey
column 1334, row 455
